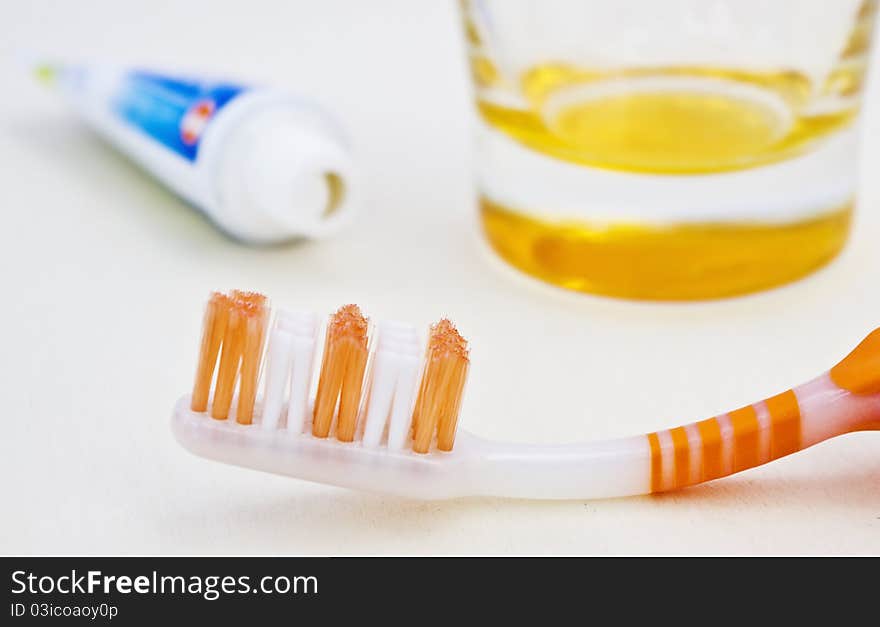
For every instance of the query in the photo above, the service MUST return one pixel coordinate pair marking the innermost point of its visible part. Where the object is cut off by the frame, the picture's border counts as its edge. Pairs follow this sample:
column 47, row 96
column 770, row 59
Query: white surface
column 105, row 274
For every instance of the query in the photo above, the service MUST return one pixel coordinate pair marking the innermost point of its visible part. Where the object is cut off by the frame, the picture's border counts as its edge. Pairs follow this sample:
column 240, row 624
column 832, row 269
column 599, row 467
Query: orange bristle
column 439, row 399
column 342, row 374
column 254, row 330
column 242, row 344
column 230, row 359
column 254, row 298
column 213, row 329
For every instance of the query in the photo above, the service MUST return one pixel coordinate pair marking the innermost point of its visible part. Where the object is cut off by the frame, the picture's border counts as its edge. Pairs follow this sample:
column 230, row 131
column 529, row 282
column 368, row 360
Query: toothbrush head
column 385, row 411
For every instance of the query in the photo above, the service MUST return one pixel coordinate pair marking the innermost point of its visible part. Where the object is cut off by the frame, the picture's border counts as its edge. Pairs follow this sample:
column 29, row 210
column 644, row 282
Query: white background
column 104, row 274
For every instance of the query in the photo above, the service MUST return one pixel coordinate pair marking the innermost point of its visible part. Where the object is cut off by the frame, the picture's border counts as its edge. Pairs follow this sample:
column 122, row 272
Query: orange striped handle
column 725, row 444
column 843, row 400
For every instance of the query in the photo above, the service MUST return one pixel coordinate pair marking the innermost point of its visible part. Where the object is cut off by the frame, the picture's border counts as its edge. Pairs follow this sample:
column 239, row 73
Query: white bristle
column 392, row 385
column 298, row 323
column 279, row 358
column 382, row 385
column 300, row 381
column 404, row 399
column 289, row 357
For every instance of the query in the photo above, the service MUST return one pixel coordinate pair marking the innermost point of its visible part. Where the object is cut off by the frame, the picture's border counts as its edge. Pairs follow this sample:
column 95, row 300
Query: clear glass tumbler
column 667, row 149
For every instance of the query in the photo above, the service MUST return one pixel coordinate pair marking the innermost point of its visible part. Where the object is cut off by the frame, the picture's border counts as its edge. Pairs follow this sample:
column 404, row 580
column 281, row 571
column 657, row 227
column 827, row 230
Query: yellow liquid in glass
column 713, row 121
column 687, row 262
column 680, row 121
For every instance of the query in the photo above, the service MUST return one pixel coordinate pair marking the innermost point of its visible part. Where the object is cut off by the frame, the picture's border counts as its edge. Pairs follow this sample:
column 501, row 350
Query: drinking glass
column 667, row 149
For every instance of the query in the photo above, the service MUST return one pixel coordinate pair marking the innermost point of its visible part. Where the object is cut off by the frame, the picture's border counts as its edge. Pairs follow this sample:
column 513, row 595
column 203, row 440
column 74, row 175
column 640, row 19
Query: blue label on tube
column 174, row 112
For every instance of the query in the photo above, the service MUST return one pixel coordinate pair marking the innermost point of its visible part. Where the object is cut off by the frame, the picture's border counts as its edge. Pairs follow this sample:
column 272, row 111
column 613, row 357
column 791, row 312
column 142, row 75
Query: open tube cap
column 284, row 177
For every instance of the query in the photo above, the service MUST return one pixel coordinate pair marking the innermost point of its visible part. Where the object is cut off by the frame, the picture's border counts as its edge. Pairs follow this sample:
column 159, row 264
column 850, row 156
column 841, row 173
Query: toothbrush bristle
column 342, row 373
column 395, row 407
column 213, row 329
column 255, row 316
column 252, row 298
column 439, row 399
column 445, row 337
column 233, row 328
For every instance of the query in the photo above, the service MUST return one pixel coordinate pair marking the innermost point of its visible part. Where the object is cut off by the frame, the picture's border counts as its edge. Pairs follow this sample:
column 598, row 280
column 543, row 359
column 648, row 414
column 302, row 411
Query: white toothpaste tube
column 263, row 165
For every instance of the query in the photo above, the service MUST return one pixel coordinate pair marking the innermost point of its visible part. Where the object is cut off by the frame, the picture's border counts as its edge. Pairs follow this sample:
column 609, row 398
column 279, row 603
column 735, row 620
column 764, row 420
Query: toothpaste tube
column 264, row 166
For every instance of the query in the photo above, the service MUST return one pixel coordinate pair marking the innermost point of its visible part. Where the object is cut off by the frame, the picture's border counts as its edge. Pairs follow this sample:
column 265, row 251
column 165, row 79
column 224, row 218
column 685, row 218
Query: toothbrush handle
column 759, row 433
column 845, row 399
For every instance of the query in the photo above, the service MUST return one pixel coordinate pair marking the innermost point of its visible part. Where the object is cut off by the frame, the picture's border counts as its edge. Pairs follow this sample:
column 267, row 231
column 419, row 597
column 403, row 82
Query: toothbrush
column 385, row 416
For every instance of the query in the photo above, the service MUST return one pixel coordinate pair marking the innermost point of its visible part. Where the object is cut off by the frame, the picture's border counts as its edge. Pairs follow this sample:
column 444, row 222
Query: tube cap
column 284, row 174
